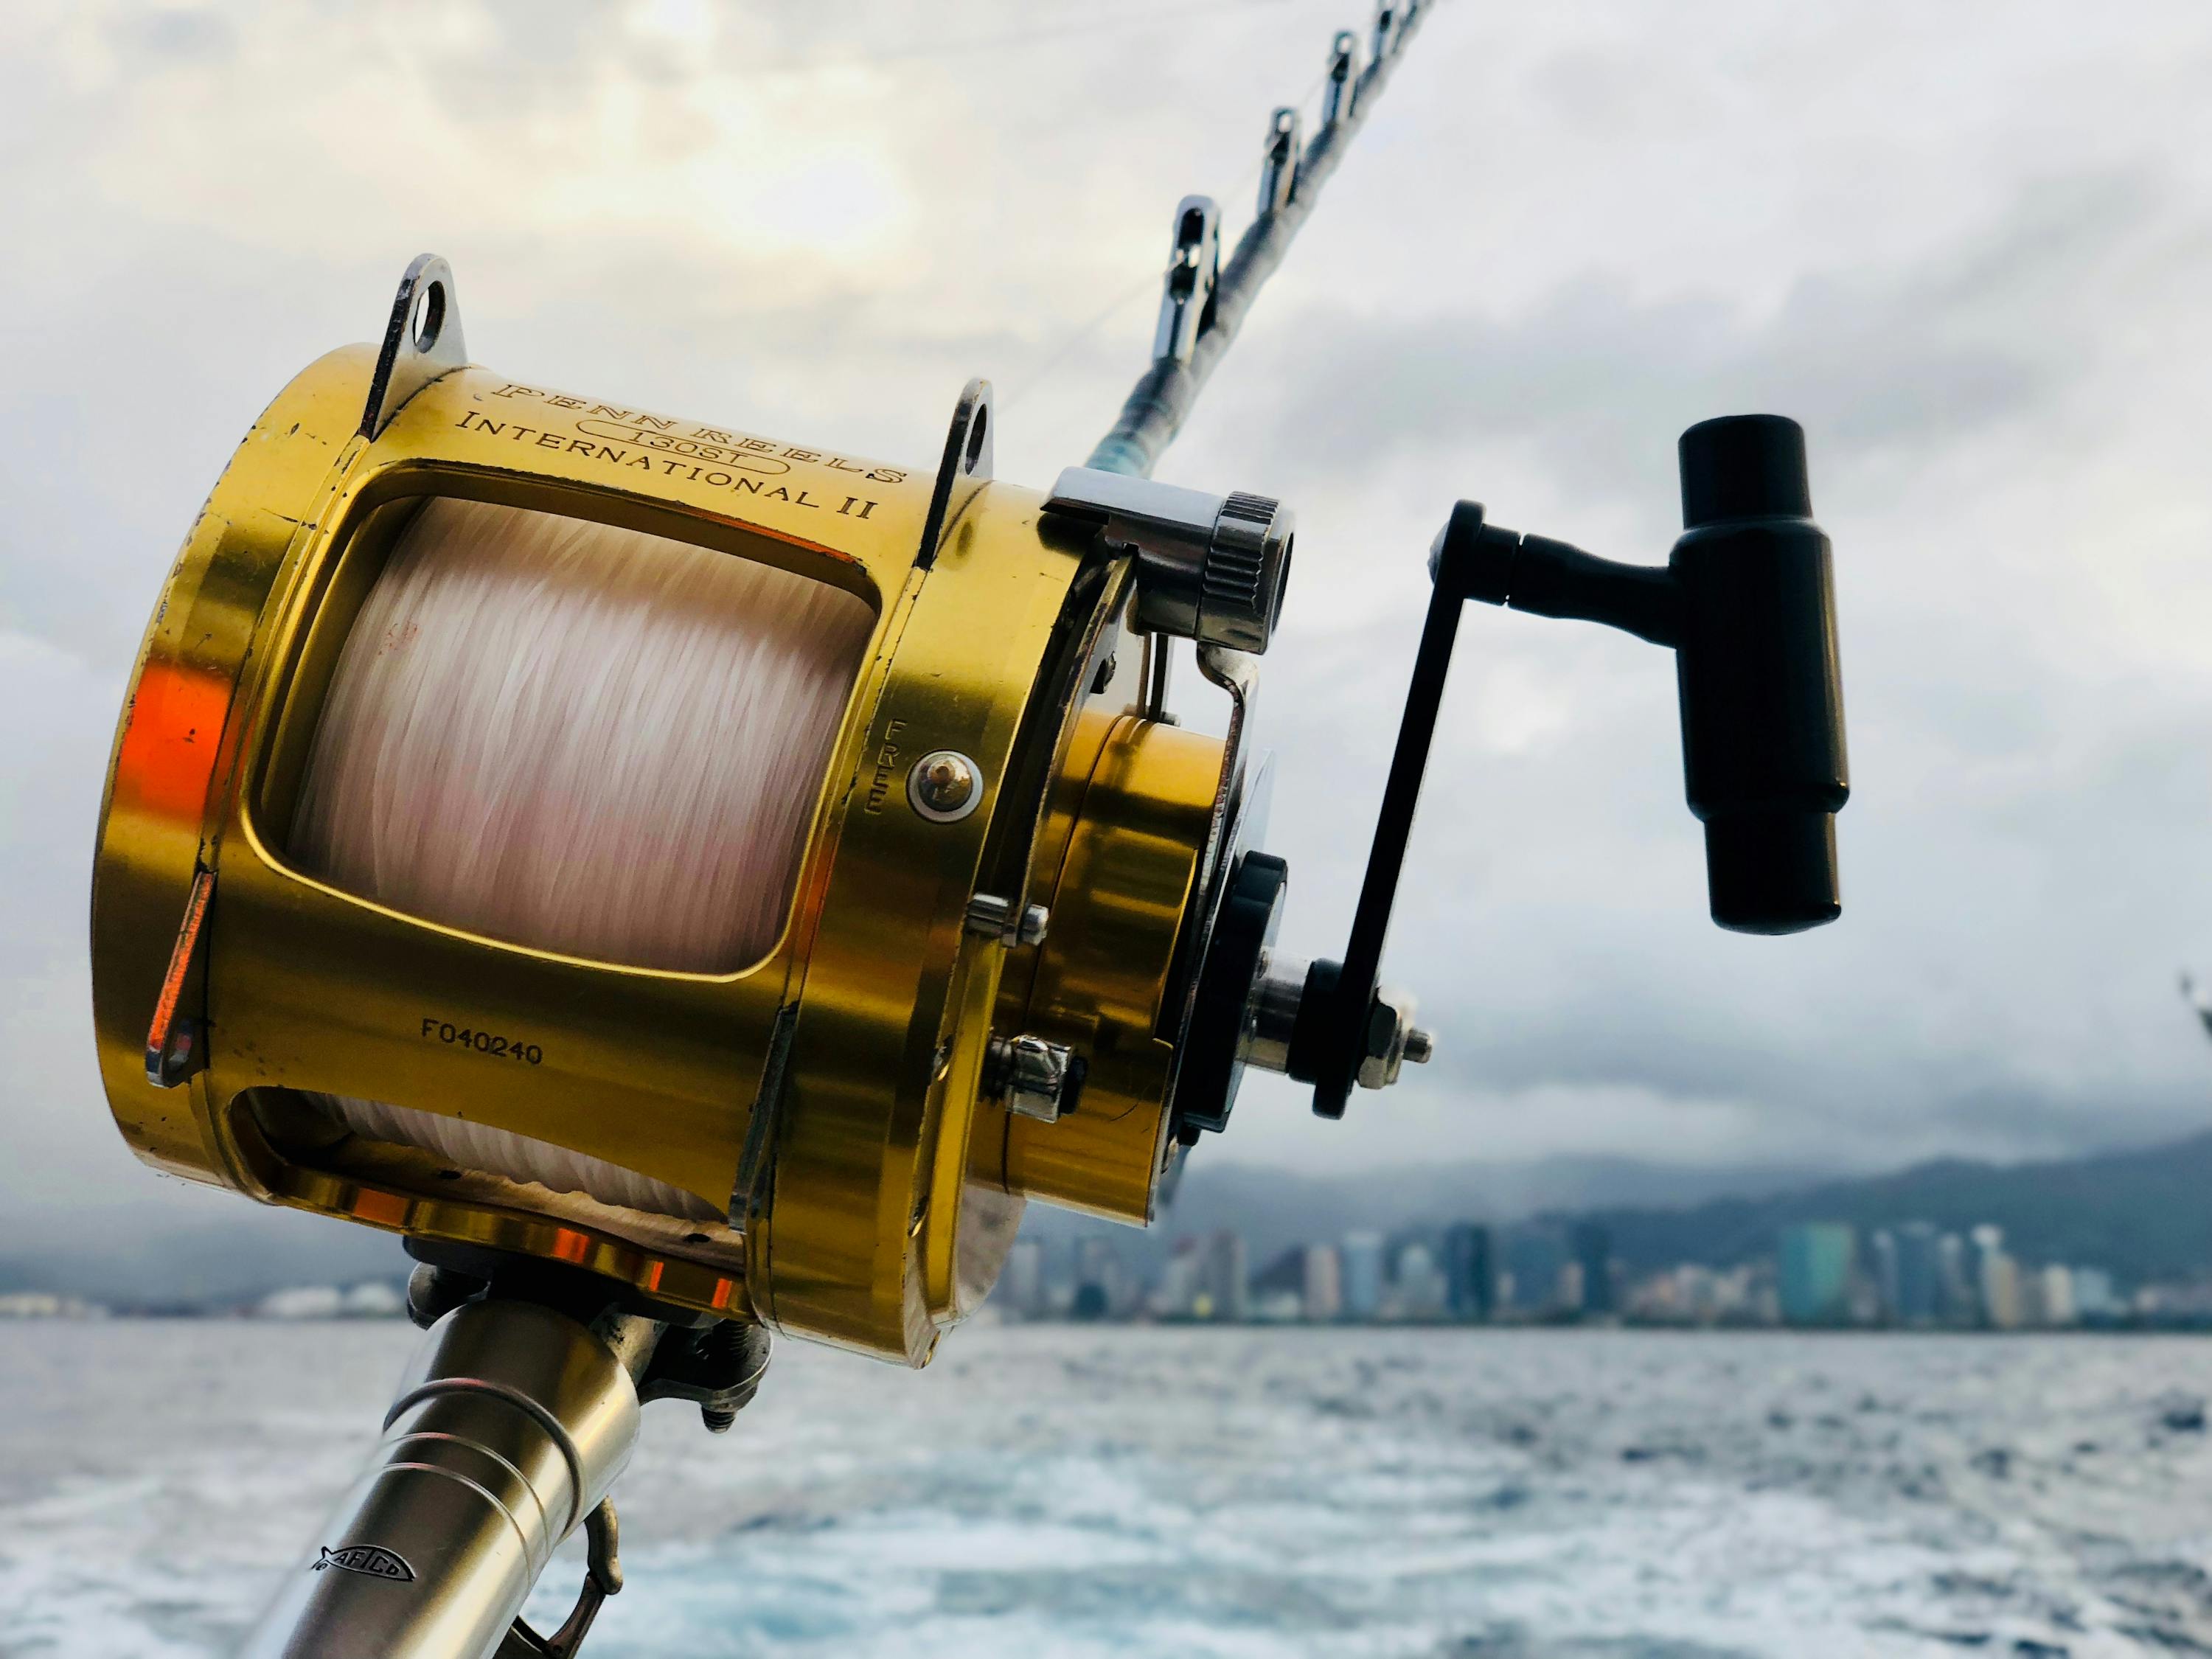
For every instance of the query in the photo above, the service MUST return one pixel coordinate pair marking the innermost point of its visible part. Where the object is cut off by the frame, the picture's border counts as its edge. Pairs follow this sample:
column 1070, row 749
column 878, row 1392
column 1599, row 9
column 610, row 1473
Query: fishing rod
column 1205, row 303
column 695, row 886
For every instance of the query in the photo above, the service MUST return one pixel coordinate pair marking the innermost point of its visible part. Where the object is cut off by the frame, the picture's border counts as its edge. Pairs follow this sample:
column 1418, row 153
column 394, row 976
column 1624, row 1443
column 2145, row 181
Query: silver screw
column 1034, row 1077
column 1420, row 1047
column 993, row 917
column 944, row 786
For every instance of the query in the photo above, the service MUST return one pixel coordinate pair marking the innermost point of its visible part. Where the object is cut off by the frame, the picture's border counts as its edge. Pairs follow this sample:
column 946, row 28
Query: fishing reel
column 1029, row 950
column 1010, row 864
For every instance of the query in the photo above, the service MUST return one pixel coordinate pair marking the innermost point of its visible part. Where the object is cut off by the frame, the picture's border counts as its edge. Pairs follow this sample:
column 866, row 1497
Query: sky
column 1966, row 245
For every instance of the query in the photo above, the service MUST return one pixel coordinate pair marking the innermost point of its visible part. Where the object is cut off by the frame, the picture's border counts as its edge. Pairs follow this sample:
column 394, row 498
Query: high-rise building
column 1176, row 1297
column 1470, row 1279
column 1278, row 1290
column 1363, row 1275
column 2094, row 1297
column 1221, row 1284
column 1418, row 1284
column 1881, row 1271
column 2058, row 1300
column 1919, row 1275
column 1324, row 1285
column 1594, row 1255
column 1021, row 1286
column 1813, row 1273
column 2002, row 1303
column 1100, row 1288
column 1536, row 1258
column 1961, row 1300
column 1996, row 1278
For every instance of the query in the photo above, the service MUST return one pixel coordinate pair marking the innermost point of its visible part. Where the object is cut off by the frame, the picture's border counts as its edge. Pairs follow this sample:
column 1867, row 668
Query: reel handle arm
column 1746, row 602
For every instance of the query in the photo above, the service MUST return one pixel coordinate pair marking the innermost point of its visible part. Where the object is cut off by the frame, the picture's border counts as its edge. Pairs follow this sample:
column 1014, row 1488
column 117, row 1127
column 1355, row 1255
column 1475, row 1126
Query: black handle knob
column 1761, row 692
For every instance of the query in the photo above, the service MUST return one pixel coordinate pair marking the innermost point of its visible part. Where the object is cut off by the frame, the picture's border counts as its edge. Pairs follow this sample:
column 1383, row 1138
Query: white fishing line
column 579, row 738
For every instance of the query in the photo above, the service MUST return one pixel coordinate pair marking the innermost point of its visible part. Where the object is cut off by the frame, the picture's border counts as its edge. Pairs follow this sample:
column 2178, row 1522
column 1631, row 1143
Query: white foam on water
column 1068, row 1493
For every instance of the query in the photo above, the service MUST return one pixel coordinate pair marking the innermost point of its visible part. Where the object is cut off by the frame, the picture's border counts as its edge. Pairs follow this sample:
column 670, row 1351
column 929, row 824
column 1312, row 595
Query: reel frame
column 838, row 1094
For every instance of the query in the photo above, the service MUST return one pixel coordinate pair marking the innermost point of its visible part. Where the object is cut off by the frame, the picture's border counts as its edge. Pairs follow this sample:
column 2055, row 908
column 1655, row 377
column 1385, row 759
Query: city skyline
column 1817, row 1275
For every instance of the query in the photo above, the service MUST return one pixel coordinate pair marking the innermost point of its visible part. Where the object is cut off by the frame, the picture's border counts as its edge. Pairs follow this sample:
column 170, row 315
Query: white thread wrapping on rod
column 579, row 738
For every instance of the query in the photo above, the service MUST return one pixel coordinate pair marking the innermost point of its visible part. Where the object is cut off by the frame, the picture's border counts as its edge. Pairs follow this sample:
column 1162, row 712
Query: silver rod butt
column 512, row 1423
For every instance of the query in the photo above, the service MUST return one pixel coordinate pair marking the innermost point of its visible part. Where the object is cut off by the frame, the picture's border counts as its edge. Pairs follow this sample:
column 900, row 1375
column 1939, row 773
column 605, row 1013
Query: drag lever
column 1747, row 601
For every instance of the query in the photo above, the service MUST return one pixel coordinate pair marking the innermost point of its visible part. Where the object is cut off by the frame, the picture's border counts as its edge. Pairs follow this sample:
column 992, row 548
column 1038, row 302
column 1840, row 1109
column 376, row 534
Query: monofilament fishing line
column 582, row 738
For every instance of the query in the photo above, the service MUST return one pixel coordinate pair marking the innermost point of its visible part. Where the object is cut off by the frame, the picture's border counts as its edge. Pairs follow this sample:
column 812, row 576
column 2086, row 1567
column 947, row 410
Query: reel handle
column 1746, row 601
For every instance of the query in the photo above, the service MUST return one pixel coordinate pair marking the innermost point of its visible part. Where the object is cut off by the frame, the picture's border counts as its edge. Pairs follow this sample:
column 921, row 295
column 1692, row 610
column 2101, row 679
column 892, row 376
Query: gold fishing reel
column 1015, row 864
column 1027, row 950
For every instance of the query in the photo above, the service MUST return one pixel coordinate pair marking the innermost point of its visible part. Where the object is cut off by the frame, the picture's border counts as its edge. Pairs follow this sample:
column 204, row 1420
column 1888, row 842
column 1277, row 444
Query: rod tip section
column 1744, row 466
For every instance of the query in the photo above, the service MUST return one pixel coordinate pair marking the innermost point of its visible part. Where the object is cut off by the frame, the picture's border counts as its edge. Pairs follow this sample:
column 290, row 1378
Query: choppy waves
column 1077, row 1493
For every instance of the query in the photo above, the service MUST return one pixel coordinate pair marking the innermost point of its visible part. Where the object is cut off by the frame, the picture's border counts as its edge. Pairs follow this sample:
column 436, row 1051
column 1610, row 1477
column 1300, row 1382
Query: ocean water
column 1075, row 1491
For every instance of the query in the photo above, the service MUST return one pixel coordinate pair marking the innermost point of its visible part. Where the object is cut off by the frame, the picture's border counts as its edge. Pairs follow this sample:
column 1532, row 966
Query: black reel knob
column 1762, row 695
column 1213, row 1052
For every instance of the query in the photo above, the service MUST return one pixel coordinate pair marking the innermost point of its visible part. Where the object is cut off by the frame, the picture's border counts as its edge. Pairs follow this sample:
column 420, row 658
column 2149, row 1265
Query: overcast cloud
column 1967, row 245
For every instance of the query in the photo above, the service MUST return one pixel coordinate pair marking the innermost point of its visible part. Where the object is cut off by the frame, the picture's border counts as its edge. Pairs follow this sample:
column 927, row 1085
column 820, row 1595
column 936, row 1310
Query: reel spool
column 741, row 869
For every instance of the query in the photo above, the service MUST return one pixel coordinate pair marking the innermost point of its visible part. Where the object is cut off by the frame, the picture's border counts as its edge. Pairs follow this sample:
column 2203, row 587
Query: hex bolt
column 1390, row 1039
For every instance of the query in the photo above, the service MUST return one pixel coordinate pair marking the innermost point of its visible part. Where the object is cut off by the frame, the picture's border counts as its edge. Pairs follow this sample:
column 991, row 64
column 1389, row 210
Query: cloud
column 1992, row 328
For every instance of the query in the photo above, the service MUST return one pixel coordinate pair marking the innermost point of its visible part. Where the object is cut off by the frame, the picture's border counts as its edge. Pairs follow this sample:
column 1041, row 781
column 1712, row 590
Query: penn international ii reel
column 1010, row 935
column 984, row 983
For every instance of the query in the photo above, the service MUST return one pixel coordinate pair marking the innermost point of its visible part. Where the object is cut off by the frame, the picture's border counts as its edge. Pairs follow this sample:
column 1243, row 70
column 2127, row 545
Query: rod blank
column 1162, row 399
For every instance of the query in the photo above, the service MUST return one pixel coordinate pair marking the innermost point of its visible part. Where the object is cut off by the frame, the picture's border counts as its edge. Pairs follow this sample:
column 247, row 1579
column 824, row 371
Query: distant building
column 1813, row 1273
column 1919, row 1254
column 1882, row 1275
column 1535, row 1259
column 1021, row 1285
column 1278, row 1290
column 1689, row 1293
column 1594, row 1255
column 2002, row 1304
column 1221, row 1283
column 2186, row 1303
column 1419, row 1289
column 2093, row 1297
column 2057, row 1285
column 1324, row 1284
column 1470, row 1277
column 1961, row 1300
column 1101, row 1290
column 1363, row 1275
column 1176, row 1297
column 1996, row 1276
